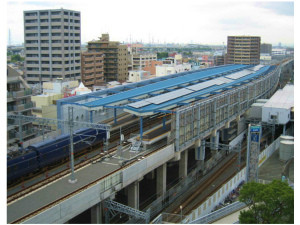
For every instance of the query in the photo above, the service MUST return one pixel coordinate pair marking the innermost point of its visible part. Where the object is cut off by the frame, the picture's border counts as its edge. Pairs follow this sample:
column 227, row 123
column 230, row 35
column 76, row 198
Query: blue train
column 44, row 154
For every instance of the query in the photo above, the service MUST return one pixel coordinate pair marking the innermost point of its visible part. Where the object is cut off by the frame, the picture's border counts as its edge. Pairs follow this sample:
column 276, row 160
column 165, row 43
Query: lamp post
column 180, row 212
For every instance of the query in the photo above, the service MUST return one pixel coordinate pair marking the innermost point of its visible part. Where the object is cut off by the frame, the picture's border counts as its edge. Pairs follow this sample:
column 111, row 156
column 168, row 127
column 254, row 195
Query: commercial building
column 115, row 58
column 92, row 68
column 243, row 50
column 18, row 102
column 52, row 45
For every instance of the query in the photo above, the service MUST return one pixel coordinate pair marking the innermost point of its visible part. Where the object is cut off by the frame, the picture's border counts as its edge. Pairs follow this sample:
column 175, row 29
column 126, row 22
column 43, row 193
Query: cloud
column 207, row 22
column 281, row 8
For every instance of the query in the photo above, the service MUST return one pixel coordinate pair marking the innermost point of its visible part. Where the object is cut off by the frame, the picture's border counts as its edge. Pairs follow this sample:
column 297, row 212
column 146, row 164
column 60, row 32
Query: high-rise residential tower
column 52, row 45
column 243, row 49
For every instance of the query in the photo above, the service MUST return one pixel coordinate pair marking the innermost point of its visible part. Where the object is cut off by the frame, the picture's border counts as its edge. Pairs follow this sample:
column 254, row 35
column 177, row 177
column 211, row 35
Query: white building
column 135, row 76
column 171, row 69
column 278, row 109
column 278, row 51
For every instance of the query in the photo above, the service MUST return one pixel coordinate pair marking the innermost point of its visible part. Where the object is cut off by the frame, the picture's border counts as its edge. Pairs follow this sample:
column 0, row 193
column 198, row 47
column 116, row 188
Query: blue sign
column 255, row 129
column 255, row 137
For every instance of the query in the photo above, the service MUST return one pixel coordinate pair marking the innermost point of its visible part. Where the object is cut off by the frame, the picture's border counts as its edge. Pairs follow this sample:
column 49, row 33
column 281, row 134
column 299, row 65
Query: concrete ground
column 273, row 167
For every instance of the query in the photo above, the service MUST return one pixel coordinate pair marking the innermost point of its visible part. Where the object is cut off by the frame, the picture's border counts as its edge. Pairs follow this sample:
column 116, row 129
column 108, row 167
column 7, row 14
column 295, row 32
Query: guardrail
column 216, row 215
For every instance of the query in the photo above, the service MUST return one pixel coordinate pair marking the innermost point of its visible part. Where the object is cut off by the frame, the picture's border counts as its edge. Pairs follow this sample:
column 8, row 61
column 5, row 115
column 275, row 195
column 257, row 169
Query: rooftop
column 283, row 98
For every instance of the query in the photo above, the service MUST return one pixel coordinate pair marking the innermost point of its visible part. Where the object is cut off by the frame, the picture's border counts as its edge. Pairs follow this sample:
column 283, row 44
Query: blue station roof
column 186, row 87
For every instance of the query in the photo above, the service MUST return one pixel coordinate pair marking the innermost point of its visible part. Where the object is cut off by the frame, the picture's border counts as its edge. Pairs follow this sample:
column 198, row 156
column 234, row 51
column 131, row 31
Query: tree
column 267, row 203
column 16, row 58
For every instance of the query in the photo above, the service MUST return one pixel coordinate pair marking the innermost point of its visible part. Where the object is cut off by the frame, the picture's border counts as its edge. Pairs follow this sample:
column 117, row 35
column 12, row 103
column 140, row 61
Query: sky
column 168, row 21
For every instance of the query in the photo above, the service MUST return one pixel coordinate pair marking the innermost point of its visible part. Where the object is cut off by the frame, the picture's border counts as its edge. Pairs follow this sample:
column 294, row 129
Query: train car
column 22, row 165
column 51, row 151
column 46, row 153
column 58, row 149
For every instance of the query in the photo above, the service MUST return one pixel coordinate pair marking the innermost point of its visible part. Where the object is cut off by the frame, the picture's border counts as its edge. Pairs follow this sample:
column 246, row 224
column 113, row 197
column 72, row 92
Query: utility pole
column 72, row 179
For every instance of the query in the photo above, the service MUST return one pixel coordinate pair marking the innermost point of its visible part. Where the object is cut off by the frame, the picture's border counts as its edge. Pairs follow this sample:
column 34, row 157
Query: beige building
column 140, row 60
column 115, row 58
column 92, row 68
column 52, row 45
column 243, row 50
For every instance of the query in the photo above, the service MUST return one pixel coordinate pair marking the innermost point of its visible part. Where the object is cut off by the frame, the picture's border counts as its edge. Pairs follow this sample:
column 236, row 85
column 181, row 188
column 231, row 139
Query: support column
column 91, row 116
column 161, row 180
column 200, row 153
column 96, row 214
column 133, row 195
column 284, row 129
column 183, row 164
column 164, row 122
column 115, row 116
column 141, row 128
column 214, row 138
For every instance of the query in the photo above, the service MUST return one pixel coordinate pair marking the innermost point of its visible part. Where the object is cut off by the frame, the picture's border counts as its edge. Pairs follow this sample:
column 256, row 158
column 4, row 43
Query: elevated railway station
column 164, row 124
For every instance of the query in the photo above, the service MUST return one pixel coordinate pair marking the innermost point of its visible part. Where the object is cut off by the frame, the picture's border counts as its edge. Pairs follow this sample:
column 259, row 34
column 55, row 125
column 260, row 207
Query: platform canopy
column 156, row 95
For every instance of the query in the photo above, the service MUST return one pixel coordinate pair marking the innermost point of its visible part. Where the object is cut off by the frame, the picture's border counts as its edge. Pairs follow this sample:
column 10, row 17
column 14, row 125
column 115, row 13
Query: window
column 31, row 35
column 32, row 48
column 44, row 27
column 31, row 28
column 55, row 20
column 43, row 13
column 44, row 41
column 55, row 13
column 56, row 27
column 44, row 20
column 31, row 14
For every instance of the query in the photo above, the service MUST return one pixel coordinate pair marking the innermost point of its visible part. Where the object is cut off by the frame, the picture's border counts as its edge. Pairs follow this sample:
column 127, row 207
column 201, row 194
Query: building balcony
column 88, row 71
column 31, row 17
column 90, row 76
column 19, row 94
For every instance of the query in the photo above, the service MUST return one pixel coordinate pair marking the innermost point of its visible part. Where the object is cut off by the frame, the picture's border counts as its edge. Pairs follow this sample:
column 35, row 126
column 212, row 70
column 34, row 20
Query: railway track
column 130, row 126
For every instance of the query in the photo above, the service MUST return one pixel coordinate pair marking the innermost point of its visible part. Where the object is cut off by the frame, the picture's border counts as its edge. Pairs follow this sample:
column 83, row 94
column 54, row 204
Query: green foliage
column 267, row 203
column 161, row 55
column 16, row 58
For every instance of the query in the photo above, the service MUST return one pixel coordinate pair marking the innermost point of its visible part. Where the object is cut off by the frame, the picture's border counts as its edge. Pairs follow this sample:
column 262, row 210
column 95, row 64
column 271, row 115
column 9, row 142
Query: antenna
column 9, row 38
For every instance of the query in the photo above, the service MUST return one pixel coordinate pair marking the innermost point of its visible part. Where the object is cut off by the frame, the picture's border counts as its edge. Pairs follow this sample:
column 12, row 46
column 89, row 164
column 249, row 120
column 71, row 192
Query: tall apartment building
column 115, row 58
column 92, row 68
column 52, row 45
column 18, row 102
column 243, row 49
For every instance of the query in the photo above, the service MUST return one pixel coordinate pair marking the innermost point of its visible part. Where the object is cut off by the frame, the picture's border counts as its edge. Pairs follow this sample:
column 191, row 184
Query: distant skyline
column 168, row 21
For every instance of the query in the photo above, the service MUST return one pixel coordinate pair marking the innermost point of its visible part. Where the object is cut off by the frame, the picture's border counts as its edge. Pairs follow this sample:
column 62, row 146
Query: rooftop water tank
column 286, row 138
column 286, row 150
